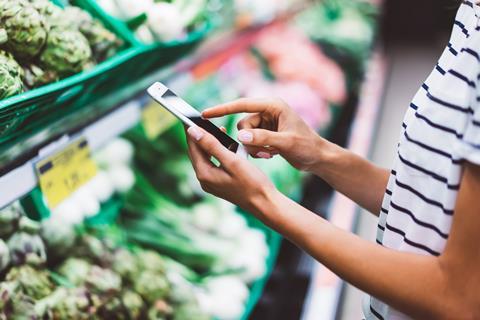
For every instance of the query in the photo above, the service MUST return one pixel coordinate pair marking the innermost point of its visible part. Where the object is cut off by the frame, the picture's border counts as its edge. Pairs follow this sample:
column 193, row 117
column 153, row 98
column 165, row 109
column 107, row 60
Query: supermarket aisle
column 409, row 66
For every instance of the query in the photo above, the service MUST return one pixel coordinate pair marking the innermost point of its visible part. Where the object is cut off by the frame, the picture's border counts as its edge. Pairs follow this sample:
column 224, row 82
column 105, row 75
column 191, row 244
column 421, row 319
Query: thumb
column 261, row 138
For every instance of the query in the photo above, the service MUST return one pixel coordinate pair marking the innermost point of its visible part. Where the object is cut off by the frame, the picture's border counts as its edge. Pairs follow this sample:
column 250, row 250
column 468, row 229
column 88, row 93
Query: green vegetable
column 160, row 310
column 103, row 281
column 103, row 42
column 10, row 76
column 59, row 237
column 25, row 27
column 124, row 263
column 33, row 283
column 151, row 286
column 65, row 304
column 26, row 248
column 34, row 76
column 75, row 270
column 66, row 52
column 4, row 255
column 189, row 311
column 133, row 303
column 47, row 9
column 9, row 218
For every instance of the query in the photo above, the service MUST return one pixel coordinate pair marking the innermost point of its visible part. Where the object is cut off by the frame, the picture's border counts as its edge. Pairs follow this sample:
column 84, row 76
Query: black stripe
column 424, row 86
column 378, row 241
column 381, row 227
column 432, row 149
column 388, row 192
column 437, row 126
column 410, row 242
column 471, row 52
column 440, row 69
column 462, row 26
column 382, row 209
column 404, row 126
column 424, row 198
column 447, row 104
column 429, row 173
column 393, row 172
column 375, row 313
column 413, row 106
column 451, row 49
column 419, row 222
column 468, row 3
column 476, row 123
column 462, row 77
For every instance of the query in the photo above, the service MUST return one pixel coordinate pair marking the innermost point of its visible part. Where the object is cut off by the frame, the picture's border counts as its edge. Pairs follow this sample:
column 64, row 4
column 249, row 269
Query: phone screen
column 172, row 101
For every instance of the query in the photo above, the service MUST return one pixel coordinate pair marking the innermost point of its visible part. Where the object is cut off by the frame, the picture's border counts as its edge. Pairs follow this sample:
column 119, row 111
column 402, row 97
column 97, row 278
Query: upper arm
column 461, row 259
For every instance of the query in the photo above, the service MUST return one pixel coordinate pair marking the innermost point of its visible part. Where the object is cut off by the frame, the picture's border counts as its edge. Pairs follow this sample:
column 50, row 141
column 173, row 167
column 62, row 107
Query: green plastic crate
column 22, row 112
column 169, row 51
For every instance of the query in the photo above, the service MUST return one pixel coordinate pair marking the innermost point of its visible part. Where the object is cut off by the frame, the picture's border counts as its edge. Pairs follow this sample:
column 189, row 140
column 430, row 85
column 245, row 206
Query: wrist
column 262, row 204
column 327, row 154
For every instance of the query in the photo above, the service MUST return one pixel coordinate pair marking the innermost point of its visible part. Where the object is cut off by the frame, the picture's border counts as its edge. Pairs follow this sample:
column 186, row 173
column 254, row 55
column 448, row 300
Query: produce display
column 49, row 43
column 141, row 240
column 52, row 271
column 158, row 21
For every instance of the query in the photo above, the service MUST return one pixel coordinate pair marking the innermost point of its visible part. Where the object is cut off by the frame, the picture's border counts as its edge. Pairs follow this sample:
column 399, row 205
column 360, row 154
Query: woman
column 426, row 263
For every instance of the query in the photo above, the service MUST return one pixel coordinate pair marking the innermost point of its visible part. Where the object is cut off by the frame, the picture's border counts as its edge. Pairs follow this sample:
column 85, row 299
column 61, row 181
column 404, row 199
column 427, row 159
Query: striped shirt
column 440, row 131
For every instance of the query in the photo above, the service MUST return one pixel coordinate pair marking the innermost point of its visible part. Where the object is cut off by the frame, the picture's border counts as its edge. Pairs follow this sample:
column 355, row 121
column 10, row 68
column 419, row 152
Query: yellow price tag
column 66, row 171
column 156, row 120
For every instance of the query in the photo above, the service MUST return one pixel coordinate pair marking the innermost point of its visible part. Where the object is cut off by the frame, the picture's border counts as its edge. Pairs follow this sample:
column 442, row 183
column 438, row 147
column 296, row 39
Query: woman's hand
column 235, row 180
column 273, row 128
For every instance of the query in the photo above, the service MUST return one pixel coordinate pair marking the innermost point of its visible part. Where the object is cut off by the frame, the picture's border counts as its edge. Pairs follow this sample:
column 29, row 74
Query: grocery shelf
column 325, row 289
column 22, row 179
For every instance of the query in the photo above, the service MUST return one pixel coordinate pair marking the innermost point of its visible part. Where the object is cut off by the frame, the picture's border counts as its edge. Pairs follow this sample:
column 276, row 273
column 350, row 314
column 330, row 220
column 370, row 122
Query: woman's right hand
column 272, row 127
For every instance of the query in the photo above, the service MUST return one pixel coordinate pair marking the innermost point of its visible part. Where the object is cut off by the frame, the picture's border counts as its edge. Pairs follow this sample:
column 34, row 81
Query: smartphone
column 191, row 116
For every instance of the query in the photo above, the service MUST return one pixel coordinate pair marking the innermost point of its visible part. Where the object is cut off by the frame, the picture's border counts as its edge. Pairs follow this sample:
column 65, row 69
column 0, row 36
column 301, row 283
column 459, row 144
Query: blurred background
column 101, row 213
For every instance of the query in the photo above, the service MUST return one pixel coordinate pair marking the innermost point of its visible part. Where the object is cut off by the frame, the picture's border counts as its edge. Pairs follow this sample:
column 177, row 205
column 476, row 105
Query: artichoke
column 75, row 270
column 22, row 307
column 102, row 42
column 28, row 225
column 65, row 304
column 33, row 283
column 34, row 76
column 189, row 311
column 25, row 28
column 4, row 255
column 26, row 248
column 133, row 303
column 66, row 52
column 9, row 218
column 10, row 76
column 151, row 286
column 48, row 10
column 103, row 281
column 113, row 309
column 93, row 249
column 160, row 310
column 59, row 237
column 151, row 261
column 125, row 264
column 7, row 292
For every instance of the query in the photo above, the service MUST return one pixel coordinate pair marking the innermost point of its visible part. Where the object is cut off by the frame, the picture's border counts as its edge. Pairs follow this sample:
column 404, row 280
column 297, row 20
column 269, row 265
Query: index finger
column 248, row 105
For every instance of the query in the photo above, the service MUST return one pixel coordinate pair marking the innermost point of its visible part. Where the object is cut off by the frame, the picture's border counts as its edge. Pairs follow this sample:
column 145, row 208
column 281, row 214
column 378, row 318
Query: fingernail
column 264, row 155
column 195, row 133
column 245, row 136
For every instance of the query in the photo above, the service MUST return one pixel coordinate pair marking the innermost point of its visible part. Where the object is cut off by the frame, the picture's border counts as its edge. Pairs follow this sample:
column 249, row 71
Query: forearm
column 350, row 174
column 405, row 281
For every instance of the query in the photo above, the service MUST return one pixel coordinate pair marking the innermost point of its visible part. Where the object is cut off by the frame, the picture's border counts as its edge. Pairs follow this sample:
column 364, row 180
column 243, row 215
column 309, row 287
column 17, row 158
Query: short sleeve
column 468, row 147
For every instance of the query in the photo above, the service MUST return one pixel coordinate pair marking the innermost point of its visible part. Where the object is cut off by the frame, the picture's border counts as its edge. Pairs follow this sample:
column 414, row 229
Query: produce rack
column 96, row 106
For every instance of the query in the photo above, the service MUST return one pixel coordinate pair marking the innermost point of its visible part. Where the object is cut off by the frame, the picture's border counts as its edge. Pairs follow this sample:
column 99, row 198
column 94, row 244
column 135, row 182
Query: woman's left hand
column 235, row 180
